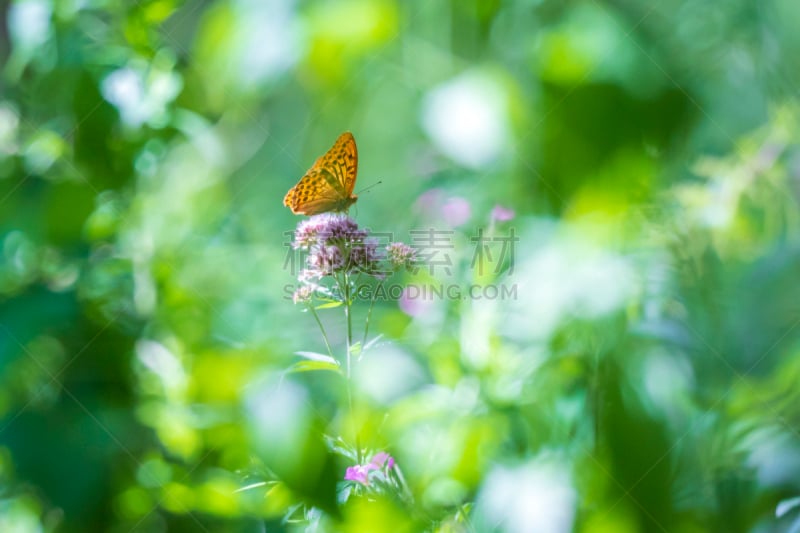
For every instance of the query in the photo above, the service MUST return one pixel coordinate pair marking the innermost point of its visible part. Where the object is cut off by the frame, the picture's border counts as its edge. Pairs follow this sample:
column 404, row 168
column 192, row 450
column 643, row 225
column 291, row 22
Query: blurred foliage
column 643, row 378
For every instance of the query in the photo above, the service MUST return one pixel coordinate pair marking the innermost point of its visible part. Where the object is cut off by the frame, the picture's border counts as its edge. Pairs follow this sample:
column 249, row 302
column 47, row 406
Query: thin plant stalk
column 369, row 315
column 349, row 315
column 321, row 328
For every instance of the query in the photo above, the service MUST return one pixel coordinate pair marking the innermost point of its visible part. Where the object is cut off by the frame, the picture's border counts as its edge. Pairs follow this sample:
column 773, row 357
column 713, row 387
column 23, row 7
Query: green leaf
column 329, row 305
column 338, row 445
column 252, row 486
column 314, row 356
column 310, row 366
column 786, row 505
column 371, row 343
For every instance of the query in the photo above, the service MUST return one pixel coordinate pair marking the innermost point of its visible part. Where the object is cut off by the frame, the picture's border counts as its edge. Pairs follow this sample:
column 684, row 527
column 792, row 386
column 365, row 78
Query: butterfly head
column 345, row 204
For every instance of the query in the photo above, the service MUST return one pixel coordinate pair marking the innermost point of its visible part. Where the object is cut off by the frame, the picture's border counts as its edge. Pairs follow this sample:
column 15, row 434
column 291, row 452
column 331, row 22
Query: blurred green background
column 645, row 378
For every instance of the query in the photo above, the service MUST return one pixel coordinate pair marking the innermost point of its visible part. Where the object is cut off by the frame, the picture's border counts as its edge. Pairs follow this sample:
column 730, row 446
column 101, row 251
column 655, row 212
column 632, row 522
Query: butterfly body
column 328, row 184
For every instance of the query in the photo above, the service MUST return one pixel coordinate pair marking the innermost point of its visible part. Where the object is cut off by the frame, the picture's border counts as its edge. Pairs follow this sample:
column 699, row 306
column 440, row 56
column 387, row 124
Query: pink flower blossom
column 429, row 201
column 360, row 473
column 401, row 255
column 502, row 214
column 412, row 302
column 303, row 294
column 456, row 211
column 382, row 458
column 334, row 243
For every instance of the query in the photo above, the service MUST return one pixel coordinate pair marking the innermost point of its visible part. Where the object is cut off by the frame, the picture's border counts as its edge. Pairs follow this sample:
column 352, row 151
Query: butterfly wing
column 328, row 184
column 343, row 161
column 312, row 194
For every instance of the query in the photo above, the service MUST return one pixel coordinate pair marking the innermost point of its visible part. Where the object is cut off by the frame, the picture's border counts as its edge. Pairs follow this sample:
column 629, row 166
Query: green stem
column 348, row 314
column 322, row 329
column 369, row 315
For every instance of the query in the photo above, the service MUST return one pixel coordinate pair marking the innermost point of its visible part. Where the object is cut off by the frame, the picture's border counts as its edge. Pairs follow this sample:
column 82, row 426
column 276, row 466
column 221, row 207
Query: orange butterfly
column 328, row 184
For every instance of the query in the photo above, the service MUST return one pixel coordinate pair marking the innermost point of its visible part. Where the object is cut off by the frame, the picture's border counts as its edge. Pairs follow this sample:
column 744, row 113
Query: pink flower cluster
column 401, row 255
column 381, row 461
column 336, row 244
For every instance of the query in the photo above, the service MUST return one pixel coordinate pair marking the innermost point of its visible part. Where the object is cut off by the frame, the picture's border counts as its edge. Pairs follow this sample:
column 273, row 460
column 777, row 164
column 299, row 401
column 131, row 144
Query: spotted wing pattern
column 328, row 184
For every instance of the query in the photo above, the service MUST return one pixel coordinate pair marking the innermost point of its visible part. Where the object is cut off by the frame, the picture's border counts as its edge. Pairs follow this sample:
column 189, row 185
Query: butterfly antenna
column 368, row 187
